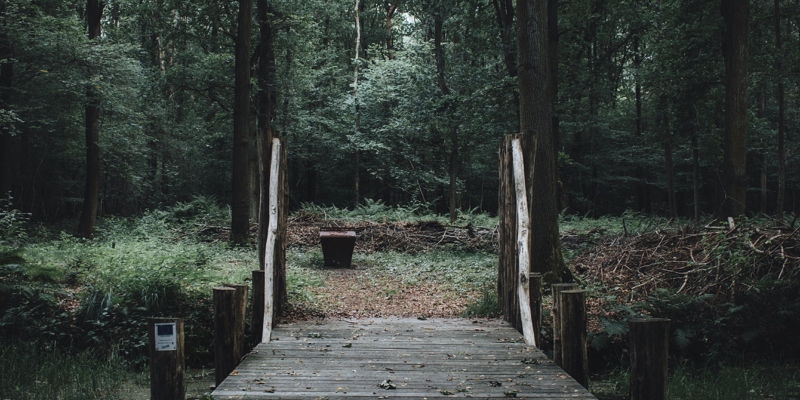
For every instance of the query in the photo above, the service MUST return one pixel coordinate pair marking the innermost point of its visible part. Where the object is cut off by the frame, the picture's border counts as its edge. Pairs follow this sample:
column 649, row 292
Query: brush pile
column 711, row 260
column 407, row 237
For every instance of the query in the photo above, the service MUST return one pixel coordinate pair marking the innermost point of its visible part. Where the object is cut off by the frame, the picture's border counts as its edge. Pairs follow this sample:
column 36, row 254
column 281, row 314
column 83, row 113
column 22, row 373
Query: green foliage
column 36, row 371
column 486, row 306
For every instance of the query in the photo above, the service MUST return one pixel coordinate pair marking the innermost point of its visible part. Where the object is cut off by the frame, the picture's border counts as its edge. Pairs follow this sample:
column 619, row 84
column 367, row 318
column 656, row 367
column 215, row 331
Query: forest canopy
column 640, row 108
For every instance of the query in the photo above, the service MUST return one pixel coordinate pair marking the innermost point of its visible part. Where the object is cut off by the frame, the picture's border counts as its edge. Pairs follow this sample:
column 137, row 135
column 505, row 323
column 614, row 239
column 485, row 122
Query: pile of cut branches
column 711, row 260
column 411, row 237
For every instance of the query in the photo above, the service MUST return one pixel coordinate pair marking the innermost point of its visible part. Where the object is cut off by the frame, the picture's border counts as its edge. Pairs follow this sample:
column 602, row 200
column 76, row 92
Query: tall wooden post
column 167, row 370
column 573, row 335
column 225, row 341
column 556, row 291
column 649, row 350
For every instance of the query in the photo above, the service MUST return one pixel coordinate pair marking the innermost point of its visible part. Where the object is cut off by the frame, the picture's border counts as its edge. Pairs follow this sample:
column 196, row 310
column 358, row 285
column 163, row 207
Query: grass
column 753, row 381
column 34, row 371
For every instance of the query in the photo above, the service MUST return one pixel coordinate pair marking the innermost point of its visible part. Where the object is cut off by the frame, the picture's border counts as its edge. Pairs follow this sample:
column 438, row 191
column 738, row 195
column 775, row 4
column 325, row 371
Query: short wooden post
column 257, row 321
column 167, row 370
column 536, row 307
column 573, row 335
column 241, row 312
column 225, row 360
column 649, row 350
column 556, row 290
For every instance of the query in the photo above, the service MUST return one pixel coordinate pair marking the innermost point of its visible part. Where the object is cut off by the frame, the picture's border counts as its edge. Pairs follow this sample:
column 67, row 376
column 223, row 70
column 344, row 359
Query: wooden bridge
column 398, row 358
column 394, row 358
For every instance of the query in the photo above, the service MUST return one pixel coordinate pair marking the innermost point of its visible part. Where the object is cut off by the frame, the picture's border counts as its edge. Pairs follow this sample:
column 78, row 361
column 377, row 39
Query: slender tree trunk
column 761, row 106
column 266, row 113
column 781, row 115
column 536, row 119
column 642, row 197
column 240, row 207
column 6, row 75
column 504, row 10
column 94, row 14
column 695, row 180
column 356, row 194
column 391, row 8
column 454, row 164
column 670, row 166
column 736, row 14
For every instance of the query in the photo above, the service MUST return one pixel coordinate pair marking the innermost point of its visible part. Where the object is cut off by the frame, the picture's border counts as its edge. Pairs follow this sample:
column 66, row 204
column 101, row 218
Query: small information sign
column 166, row 337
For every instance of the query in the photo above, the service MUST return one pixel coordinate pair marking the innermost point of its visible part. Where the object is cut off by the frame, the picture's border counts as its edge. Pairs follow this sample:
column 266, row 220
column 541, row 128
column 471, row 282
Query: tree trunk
column 6, row 74
column 504, row 9
column 668, row 162
column 536, row 119
column 391, row 8
column 240, row 207
column 781, row 116
column 356, row 194
column 696, row 180
column 266, row 113
column 736, row 14
column 94, row 14
column 454, row 164
column 642, row 196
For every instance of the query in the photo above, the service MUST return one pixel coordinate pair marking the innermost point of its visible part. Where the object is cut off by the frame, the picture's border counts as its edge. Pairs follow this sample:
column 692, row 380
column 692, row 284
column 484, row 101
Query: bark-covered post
column 573, row 335
column 240, row 300
column 167, row 370
column 225, row 342
column 556, row 290
column 536, row 307
column 257, row 321
column 649, row 349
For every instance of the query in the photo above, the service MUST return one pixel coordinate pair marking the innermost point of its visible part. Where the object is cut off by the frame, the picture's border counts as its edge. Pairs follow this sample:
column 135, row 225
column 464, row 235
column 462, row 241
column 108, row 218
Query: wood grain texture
column 649, row 352
column 523, row 238
column 436, row 358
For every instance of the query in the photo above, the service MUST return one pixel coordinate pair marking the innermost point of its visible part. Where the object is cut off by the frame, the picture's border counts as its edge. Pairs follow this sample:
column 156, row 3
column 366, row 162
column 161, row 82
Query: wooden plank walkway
column 398, row 358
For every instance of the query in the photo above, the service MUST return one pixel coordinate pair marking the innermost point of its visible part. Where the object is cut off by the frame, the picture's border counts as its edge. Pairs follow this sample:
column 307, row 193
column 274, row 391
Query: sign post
column 167, row 371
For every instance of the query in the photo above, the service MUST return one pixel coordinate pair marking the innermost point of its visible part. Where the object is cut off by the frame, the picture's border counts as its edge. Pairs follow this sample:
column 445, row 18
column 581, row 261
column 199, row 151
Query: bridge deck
column 394, row 358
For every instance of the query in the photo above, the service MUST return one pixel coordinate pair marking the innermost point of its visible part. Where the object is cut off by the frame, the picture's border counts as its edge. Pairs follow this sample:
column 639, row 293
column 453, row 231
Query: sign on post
column 166, row 337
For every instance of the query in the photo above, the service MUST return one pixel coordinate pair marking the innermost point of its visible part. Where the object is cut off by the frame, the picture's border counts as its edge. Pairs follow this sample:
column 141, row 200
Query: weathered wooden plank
column 272, row 236
column 424, row 359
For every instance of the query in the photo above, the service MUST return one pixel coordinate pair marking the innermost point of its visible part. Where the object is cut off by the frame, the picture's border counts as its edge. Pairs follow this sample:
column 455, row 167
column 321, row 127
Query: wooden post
column 536, row 306
column 649, row 350
column 523, row 244
column 167, row 370
column 225, row 340
column 257, row 322
column 240, row 300
column 556, row 291
column 507, row 234
column 573, row 335
column 272, row 237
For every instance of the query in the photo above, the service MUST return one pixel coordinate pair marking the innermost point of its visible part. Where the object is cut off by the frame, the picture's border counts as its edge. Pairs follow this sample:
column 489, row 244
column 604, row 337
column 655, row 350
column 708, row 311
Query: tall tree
column 735, row 47
column 94, row 15
column 781, row 114
column 356, row 194
column 6, row 74
column 240, row 207
column 537, row 125
column 391, row 8
column 266, row 113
